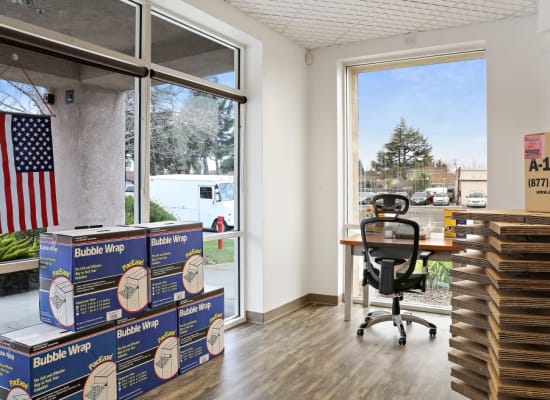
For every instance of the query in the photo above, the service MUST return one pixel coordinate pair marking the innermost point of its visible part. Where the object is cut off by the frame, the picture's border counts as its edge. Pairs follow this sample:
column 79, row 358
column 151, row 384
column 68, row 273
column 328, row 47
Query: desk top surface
column 433, row 243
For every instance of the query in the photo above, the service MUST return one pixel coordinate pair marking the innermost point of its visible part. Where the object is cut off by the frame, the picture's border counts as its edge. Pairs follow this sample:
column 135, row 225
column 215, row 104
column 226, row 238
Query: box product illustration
column 536, row 156
column 92, row 276
column 200, row 328
column 450, row 223
column 147, row 351
column 46, row 362
column 174, row 255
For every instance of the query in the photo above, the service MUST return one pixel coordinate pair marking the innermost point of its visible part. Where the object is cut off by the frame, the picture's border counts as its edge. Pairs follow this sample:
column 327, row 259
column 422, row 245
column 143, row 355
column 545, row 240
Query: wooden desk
column 441, row 247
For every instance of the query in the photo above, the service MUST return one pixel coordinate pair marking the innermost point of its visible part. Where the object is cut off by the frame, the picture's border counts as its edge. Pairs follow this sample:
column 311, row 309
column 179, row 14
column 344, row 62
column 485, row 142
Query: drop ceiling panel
column 320, row 23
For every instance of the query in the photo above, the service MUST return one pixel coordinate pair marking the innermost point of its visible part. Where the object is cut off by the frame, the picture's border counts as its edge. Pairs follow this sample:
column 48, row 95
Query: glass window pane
column 87, row 129
column 108, row 23
column 399, row 147
column 221, row 270
column 182, row 49
column 193, row 155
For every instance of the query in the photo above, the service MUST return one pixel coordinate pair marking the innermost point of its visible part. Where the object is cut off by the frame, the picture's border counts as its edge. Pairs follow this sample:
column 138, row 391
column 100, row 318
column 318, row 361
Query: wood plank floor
column 313, row 354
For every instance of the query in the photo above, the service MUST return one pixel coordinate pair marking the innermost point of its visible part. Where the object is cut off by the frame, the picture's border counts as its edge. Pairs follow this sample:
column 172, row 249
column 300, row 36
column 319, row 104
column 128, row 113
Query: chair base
column 376, row 317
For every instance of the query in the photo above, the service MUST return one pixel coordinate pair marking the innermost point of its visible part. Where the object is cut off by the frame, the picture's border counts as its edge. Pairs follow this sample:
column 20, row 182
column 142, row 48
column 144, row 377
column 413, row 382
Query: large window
column 119, row 136
column 193, row 173
column 87, row 124
column 415, row 126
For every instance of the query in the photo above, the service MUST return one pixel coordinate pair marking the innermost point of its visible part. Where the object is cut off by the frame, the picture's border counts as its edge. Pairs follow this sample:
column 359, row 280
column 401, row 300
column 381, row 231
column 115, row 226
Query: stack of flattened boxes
column 500, row 328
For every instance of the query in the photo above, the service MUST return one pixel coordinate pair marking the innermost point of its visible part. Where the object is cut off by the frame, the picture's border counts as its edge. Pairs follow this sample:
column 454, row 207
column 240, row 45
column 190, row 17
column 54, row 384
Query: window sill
column 18, row 265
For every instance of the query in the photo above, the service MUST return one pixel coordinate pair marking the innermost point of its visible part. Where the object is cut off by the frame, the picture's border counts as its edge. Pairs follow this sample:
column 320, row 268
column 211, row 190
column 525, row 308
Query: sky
column 446, row 102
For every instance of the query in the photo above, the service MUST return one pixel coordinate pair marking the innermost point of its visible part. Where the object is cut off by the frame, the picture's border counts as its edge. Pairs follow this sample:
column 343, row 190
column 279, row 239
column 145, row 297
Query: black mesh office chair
column 390, row 248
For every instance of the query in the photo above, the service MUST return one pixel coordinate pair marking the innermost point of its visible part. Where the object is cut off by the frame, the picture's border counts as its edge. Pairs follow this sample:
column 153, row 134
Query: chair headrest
column 390, row 203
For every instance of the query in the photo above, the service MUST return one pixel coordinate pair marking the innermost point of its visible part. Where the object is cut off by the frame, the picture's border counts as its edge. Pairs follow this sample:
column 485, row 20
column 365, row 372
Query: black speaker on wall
column 49, row 98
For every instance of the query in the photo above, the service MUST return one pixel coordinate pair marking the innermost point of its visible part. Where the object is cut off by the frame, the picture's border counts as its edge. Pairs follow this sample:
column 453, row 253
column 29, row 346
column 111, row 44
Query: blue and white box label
column 174, row 256
column 201, row 329
column 45, row 362
column 92, row 276
column 147, row 351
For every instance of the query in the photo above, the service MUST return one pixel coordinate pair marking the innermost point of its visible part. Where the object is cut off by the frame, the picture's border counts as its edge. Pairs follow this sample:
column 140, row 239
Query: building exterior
column 468, row 181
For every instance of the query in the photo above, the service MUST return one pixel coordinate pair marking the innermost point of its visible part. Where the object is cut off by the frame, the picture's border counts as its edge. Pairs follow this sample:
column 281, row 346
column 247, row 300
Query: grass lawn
column 213, row 255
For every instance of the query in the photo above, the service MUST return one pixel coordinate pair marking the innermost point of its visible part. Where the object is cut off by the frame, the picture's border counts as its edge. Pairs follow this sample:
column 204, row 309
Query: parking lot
column 428, row 215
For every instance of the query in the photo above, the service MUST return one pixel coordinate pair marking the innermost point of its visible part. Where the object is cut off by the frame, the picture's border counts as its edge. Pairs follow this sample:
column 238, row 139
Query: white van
column 195, row 197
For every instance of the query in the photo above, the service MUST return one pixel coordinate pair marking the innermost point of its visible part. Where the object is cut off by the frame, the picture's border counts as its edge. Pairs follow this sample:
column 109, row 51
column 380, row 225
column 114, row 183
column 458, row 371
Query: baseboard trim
column 263, row 318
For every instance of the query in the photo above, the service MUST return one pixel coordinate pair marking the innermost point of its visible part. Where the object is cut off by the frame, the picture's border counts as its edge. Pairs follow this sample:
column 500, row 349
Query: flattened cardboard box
column 92, row 276
column 174, row 258
column 147, row 351
column 536, row 155
column 44, row 362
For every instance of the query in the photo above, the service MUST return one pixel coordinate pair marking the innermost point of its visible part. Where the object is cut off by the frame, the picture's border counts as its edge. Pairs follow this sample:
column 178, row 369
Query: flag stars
column 31, row 144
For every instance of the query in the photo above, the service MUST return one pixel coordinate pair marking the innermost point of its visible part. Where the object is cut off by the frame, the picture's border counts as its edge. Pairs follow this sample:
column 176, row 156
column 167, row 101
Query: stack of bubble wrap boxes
column 123, row 309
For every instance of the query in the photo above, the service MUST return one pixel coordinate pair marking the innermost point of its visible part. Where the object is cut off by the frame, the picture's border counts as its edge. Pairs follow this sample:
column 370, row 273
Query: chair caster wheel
column 363, row 325
column 360, row 332
column 402, row 341
column 433, row 332
column 409, row 322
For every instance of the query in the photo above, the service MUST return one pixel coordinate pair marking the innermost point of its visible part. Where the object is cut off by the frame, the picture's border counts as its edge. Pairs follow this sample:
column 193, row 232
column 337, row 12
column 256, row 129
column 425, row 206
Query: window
column 101, row 145
column 71, row 131
column 206, row 192
column 184, row 49
column 193, row 172
column 412, row 125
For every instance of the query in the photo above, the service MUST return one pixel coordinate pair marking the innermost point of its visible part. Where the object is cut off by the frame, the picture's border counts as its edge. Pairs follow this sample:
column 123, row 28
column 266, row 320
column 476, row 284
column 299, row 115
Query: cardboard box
column 147, row 351
column 174, row 256
column 449, row 223
column 200, row 328
column 46, row 362
column 92, row 276
column 536, row 155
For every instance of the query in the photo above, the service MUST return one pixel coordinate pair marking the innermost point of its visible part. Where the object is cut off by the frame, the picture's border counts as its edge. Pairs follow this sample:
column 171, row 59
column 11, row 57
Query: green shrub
column 156, row 212
column 18, row 245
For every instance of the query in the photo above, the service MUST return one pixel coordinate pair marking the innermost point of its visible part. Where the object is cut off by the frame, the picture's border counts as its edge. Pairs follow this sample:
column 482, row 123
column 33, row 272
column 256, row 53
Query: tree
column 197, row 127
column 190, row 131
column 407, row 149
column 20, row 98
column 224, row 152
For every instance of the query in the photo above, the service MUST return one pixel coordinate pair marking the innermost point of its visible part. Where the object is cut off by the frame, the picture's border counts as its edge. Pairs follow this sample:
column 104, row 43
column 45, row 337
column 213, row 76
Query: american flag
column 27, row 181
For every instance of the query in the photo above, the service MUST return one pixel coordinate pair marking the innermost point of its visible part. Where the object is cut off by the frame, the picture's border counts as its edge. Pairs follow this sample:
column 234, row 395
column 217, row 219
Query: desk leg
column 366, row 296
column 348, row 278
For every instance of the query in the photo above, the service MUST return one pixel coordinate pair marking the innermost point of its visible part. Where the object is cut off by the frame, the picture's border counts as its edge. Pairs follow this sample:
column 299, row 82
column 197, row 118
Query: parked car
column 441, row 199
column 129, row 190
column 366, row 197
column 405, row 194
column 419, row 198
column 476, row 199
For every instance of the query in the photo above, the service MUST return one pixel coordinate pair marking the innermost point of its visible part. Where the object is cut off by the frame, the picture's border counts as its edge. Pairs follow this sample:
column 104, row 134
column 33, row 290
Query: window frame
column 351, row 72
column 350, row 170
column 39, row 39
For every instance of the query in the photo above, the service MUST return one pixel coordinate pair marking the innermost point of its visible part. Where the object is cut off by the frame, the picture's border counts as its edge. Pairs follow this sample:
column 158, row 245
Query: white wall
column 518, row 91
column 276, row 153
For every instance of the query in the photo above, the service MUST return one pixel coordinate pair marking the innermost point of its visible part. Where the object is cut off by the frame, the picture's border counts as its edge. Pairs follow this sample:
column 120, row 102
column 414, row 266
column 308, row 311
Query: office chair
column 390, row 248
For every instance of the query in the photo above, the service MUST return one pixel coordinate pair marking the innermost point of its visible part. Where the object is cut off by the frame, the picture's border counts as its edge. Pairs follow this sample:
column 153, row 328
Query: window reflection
column 185, row 50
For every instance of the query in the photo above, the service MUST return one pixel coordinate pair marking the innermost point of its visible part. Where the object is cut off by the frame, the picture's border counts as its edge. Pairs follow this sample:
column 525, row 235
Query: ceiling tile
column 321, row 23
